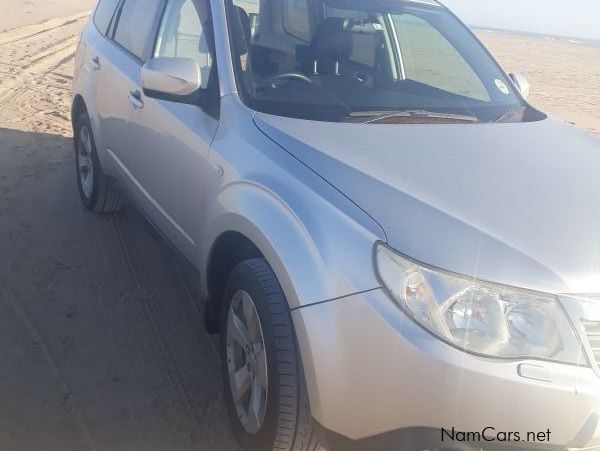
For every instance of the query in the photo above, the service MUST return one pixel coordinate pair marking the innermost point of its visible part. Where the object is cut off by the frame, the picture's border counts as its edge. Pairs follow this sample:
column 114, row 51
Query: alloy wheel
column 247, row 362
column 85, row 162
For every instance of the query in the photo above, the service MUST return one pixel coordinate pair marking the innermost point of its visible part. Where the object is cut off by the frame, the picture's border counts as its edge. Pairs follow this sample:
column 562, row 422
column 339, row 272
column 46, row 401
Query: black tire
column 288, row 424
column 103, row 198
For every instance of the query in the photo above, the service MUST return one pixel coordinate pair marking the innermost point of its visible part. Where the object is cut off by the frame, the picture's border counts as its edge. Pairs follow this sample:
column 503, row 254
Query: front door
column 117, row 61
column 168, row 142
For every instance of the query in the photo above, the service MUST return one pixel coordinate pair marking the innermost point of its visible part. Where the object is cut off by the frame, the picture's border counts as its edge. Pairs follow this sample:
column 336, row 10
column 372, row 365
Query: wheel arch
column 247, row 240
column 77, row 108
column 250, row 222
column 229, row 249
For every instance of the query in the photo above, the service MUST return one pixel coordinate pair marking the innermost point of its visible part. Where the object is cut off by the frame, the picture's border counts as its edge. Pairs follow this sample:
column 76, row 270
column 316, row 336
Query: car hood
column 517, row 204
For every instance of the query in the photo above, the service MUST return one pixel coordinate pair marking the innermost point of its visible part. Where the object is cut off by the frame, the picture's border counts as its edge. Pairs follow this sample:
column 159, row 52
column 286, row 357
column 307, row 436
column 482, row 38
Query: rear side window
column 135, row 24
column 104, row 13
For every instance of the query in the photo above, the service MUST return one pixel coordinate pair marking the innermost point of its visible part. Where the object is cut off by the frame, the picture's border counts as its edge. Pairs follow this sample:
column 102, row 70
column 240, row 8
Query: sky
column 572, row 18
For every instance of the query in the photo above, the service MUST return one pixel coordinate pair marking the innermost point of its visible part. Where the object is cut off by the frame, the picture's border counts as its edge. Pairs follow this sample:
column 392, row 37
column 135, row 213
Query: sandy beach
column 15, row 13
column 101, row 341
column 564, row 76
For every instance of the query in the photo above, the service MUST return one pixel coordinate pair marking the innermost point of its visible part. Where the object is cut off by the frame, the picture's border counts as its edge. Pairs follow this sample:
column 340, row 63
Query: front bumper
column 375, row 377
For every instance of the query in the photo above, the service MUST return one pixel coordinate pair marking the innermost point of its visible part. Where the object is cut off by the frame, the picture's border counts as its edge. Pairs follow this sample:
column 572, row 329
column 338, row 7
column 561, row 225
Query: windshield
column 390, row 61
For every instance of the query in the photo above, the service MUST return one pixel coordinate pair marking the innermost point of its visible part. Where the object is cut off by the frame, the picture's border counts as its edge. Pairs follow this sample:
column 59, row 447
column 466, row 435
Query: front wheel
column 264, row 381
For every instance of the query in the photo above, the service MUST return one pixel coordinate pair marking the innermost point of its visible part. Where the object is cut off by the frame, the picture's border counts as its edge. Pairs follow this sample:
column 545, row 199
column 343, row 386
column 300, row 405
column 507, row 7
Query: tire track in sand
column 160, row 346
column 36, row 336
column 36, row 63
column 32, row 31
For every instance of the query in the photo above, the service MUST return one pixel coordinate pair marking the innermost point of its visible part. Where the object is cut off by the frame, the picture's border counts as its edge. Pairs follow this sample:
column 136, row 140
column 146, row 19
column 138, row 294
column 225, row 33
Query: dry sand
column 101, row 345
column 17, row 13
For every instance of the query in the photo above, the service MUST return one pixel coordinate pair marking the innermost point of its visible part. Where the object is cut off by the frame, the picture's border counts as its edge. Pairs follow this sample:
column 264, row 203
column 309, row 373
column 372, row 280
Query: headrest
column 332, row 41
column 241, row 30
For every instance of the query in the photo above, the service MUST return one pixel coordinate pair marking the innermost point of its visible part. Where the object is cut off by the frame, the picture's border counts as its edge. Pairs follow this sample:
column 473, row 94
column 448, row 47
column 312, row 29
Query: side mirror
column 521, row 83
column 171, row 76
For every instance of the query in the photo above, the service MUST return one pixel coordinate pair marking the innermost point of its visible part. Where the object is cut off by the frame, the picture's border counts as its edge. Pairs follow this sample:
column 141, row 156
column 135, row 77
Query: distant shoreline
column 546, row 37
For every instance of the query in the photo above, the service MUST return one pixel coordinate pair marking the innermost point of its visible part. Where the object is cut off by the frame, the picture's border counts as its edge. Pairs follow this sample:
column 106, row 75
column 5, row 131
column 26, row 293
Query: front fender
column 312, row 261
column 280, row 237
column 317, row 241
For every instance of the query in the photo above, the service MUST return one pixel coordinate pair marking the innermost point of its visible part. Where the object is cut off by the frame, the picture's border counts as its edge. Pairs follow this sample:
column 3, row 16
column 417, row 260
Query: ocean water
column 546, row 37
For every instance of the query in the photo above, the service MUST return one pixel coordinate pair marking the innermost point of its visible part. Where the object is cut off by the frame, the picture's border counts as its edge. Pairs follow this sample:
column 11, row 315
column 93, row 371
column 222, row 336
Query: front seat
column 331, row 46
column 241, row 31
column 242, row 43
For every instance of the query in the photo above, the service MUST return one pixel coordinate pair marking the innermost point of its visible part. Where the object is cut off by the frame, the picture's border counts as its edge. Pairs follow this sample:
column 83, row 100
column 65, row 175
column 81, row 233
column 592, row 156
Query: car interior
column 343, row 56
column 298, row 54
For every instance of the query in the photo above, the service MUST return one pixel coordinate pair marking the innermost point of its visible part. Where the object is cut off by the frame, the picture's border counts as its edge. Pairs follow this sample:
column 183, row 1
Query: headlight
column 480, row 317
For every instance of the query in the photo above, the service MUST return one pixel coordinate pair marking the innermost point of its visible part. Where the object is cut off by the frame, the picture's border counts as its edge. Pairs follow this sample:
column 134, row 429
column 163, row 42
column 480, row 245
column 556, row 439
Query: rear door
column 168, row 139
column 120, row 66
column 101, row 55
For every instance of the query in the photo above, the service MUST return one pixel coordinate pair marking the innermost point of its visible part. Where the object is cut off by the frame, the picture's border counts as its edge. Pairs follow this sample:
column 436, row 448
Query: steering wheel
column 271, row 82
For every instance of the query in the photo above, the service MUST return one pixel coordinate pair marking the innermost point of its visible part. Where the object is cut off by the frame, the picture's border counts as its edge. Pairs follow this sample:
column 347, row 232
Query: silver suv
column 394, row 245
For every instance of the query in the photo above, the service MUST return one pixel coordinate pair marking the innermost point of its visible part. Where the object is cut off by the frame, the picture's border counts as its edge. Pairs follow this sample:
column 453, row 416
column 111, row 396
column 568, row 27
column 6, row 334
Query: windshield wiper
column 377, row 116
column 509, row 113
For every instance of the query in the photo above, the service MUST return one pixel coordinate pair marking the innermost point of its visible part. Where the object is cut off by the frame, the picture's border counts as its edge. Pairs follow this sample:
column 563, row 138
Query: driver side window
column 184, row 32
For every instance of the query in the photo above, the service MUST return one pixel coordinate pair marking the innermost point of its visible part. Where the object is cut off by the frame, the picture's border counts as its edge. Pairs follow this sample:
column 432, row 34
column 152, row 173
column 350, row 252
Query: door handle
column 96, row 63
column 135, row 97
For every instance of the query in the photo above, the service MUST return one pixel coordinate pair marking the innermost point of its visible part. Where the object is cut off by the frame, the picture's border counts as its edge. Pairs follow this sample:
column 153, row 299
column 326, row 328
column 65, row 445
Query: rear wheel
column 96, row 194
column 264, row 380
